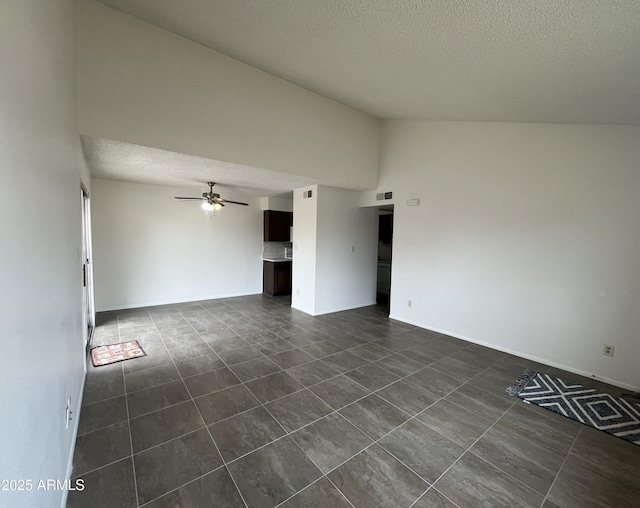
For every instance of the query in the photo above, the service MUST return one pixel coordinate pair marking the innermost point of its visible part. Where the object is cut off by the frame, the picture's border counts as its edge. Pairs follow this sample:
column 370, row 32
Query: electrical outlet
column 297, row 291
column 353, row 248
column 409, row 303
column 608, row 350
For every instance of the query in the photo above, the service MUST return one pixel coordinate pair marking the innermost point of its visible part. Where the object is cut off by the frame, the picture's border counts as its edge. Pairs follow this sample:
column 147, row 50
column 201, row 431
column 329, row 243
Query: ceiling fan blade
column 188, row 199
column 232, row 202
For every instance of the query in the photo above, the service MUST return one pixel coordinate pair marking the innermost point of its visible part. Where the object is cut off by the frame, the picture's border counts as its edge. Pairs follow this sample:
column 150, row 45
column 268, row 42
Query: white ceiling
column 115, row 160
column 568, row 61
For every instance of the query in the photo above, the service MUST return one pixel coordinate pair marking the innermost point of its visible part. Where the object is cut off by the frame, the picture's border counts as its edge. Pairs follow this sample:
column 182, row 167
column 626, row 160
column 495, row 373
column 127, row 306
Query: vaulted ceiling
column 565, row 61
column 116, row 160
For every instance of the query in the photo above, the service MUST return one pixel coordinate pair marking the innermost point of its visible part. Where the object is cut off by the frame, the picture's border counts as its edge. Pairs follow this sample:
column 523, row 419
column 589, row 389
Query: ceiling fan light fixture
column 211, row 201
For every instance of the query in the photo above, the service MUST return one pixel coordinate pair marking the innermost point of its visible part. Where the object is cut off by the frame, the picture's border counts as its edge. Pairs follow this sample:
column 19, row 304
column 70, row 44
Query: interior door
column 88, row 312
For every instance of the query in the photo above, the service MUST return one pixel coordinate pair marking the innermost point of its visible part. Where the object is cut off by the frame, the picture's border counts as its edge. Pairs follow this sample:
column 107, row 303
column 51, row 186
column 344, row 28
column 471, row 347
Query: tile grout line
column 336, row 487
column 133, row 463
column 146, row 503
column 447, row 498
column 309, row 486
column 429, row 490
column 514, row 404
column 377, row 442
column 208, row 432
column 101, row 467
column 321, row 477
column 524, row 438
column 468, row 448
column 575, row 440
column 105, row 426
column 288, row 434
column 170, row 440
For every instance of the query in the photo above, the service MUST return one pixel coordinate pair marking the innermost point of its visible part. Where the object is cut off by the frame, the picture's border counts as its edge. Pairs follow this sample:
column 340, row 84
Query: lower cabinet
column 276, row 278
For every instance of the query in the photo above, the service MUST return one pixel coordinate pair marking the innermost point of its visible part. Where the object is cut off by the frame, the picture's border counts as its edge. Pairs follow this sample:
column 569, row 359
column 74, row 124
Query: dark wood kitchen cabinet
column 277, row 226
column 276, row 278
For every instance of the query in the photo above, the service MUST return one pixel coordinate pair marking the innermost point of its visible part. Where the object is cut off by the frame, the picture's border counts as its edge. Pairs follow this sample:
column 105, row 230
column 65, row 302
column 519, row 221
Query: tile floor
column 245, row 401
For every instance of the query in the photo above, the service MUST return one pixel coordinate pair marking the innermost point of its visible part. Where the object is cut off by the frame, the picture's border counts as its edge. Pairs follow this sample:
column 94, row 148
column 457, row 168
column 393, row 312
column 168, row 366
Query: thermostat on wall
column 413, row 202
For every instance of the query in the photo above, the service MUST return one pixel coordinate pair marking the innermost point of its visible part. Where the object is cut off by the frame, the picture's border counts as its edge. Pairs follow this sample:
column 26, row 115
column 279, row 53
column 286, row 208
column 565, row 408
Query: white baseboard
column 173, row 302
column 302, row 310
column 337, row 309
column 341, row 309
column 533, row 358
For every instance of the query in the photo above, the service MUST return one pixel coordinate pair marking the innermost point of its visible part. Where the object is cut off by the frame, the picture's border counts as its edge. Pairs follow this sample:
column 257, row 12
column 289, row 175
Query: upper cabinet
column 277, row 226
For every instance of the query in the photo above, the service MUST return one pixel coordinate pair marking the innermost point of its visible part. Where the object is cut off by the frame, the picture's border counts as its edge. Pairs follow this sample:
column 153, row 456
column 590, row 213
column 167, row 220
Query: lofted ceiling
column 566, row 61
column 115, row 160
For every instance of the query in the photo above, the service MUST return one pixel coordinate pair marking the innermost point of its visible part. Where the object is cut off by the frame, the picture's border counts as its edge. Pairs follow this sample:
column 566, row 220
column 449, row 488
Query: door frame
column 388, row 209
column 88, row 305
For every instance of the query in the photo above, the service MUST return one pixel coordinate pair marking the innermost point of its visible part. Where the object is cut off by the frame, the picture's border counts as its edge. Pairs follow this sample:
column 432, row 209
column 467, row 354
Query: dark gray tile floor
column 247, row 402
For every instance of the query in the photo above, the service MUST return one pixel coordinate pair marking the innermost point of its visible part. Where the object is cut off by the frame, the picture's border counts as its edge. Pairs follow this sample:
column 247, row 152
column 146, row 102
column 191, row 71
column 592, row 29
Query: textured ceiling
column 115, row 160
column 569, row 61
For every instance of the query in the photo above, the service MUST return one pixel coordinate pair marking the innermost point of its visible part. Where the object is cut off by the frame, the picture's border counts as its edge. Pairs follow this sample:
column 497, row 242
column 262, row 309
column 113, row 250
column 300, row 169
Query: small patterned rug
column 602, row 411
column 105, row 355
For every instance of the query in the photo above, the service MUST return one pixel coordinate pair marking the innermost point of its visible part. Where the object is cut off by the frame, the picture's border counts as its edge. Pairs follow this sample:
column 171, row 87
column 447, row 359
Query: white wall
column 345, row 279
column 140, row 84
column 279, row 204
column 42, row 364
column 151, row 249
column 305, row 230
column 526, row 238
column 335, row 251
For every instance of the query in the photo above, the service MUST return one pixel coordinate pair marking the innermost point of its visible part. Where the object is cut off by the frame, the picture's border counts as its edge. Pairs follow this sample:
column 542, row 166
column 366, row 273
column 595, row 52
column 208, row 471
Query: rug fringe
column 520, row 384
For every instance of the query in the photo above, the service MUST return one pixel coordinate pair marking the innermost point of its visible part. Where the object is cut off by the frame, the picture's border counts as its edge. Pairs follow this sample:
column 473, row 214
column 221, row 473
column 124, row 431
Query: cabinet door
column 282, row 279
column 277, row 226
column 268, row 278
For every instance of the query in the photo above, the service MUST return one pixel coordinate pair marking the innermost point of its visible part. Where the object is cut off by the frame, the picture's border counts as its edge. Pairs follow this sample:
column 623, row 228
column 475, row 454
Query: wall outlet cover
column 68, row 413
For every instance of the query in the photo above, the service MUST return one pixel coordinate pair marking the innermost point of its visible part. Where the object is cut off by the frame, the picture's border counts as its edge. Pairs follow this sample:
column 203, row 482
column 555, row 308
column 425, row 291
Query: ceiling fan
column 212, row 201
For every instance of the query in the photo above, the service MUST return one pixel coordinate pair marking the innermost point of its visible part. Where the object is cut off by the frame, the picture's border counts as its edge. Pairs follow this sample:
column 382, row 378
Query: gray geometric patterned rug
column 602, row 411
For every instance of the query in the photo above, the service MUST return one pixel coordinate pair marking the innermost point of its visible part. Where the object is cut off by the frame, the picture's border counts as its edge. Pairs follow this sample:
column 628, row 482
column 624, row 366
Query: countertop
column 277, row 260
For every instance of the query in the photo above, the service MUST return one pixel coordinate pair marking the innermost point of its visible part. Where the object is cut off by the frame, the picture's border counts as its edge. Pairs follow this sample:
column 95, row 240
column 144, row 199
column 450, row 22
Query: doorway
column 385, row 253
column 88, row 310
